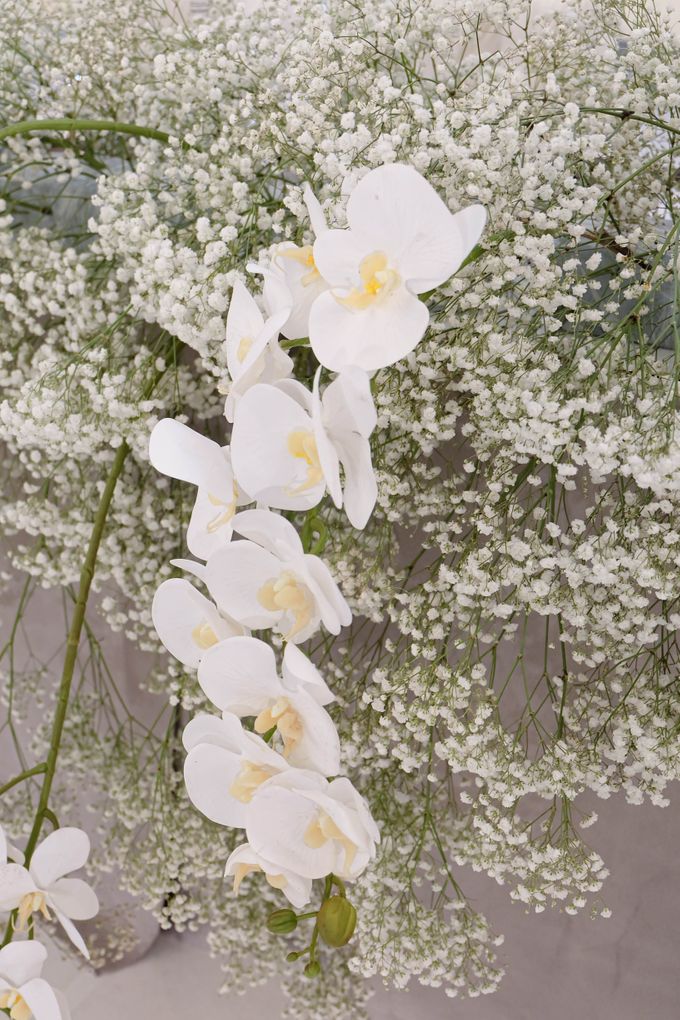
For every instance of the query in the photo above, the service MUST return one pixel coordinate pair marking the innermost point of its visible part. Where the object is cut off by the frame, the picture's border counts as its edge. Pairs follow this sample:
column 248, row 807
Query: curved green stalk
column 24, row 127
column 72, row 643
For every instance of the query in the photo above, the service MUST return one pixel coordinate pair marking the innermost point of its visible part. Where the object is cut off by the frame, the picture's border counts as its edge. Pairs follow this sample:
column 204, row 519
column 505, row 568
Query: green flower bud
column 313, row 969
column 337, row 921
column 282, row 922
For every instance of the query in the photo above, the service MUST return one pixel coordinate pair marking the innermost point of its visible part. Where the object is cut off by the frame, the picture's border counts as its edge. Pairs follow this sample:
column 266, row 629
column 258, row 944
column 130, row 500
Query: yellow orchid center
column 225, row 515
column 302, row 444
column 241, row 871
column 286, row 593
column 245, row 343
column 204, row 636
column 249, row 778
column 282, row 715
column 377, row 281
column 323, row 828
column 305, row 257
column 275, row 881
column 13, row 1001
column 30, row 904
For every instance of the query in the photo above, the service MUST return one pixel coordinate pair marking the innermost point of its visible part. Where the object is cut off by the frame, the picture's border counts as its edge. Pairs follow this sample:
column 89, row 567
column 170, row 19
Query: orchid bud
column 282, row 922
column 337, row 921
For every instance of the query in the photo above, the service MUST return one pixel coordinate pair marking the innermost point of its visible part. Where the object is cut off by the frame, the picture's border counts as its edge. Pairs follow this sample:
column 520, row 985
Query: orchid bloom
column 224, row 767
column 180, row 452
column 402, row 241
column 302, row 822
column 244, row 860
column 23, row 993
column 267, row 581
column 287, row 449
column 187, row 622
column 294, row 265
column 239, row 676
column 42, row 886
column 253, row 352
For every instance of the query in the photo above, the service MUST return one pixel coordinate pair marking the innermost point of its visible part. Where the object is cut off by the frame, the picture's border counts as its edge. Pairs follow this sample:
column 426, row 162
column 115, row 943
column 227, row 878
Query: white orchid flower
column 240, row 677
column 224, row 767
column 43, row 886
column 294, row 265
column 180, row 452
column 301, row 822
column 253, row 352
column 402, row 241
column 268, row 581
column 243, row 861
column 23, row 992
column 187, row 622
column 287, row 449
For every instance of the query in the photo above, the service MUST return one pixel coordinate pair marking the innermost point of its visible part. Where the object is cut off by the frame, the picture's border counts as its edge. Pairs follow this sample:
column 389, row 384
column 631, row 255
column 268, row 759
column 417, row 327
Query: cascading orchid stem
column 73, row 642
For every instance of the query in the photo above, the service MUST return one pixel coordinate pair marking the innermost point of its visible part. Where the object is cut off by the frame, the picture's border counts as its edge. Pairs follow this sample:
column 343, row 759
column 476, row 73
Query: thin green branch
column 26, row 774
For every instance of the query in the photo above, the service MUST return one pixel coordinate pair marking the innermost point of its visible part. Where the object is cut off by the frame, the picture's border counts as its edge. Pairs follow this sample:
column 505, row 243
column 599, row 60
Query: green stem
column 35, row 771
column 72, row 643
column 24, row 127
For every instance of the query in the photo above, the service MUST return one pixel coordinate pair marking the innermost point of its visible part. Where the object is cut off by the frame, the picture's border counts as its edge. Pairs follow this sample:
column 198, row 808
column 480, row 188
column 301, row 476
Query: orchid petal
column 74, row 898
column 300, row 672
column 187, row 622
column 72, row 932
column 316, row 214
column 235, row 574
column 328, row 457
column 15, row 883
column 63, row 851
column 348, row 403
column 401, row 214
column 204, row 728
column 180, row 452
column 239, row 674
column 209, row 771
column 21, row 962
column 40, row 998
column 360, row 487
column 335, row 612
column 271, row 531
column 369, row 339
column 276, row 823
column 260, row 447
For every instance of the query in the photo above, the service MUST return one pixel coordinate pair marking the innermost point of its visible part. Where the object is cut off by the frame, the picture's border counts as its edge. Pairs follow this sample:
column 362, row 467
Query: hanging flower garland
column 355, row 294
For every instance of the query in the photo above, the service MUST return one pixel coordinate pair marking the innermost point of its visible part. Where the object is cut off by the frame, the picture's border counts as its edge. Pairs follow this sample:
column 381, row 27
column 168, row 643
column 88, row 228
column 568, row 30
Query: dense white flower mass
column 464, row 521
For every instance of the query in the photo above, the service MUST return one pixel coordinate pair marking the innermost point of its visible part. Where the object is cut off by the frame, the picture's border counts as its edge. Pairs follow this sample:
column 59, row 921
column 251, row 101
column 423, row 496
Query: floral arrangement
column 373, row 312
